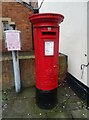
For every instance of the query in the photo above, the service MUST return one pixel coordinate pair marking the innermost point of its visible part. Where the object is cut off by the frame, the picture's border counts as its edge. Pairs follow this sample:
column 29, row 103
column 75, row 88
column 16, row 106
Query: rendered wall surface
column 73, row 37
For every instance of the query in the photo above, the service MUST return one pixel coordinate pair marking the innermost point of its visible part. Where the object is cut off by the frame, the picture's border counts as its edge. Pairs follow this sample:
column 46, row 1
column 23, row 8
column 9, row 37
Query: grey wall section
column 27, row 70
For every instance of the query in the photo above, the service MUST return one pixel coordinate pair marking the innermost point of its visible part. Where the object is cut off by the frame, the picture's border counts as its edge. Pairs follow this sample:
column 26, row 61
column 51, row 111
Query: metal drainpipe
column 35, row 11
column 32, row 37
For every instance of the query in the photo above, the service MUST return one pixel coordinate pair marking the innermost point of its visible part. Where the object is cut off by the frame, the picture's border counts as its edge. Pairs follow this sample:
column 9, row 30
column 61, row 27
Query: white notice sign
column 49, row 48
column 13, row 40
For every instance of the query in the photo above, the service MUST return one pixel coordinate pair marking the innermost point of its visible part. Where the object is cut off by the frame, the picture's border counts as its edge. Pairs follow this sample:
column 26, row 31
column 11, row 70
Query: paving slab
column 59, row 114
column 79, row 113
column 23, row 105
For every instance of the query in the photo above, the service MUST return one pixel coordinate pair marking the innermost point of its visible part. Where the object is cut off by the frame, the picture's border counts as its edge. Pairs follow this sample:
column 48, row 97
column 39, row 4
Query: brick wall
column 20, row 15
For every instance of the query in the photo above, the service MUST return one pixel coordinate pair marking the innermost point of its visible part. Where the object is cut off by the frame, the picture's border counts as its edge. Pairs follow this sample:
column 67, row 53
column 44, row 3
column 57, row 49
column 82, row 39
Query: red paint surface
column 46, row 66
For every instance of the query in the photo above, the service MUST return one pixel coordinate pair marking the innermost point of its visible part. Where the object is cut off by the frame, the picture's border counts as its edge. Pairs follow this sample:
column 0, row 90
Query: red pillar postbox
column 46, row 42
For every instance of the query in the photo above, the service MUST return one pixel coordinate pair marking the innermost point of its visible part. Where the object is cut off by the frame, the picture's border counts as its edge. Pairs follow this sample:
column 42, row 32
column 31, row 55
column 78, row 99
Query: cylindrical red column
column 46, row 42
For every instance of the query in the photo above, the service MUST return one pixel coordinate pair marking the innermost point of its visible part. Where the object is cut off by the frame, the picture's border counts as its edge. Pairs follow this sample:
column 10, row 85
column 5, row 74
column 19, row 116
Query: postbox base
column 46, row 99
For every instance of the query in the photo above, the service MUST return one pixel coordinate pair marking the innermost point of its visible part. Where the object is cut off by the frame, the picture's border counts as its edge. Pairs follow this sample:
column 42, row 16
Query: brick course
column 20, row 15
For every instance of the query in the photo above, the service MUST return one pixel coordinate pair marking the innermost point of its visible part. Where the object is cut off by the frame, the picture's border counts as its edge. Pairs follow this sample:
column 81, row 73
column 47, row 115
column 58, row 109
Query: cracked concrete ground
column 23, row 105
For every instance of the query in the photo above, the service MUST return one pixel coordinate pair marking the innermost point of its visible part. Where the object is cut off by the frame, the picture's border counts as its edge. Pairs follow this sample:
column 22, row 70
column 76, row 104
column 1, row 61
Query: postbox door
column 47, row 59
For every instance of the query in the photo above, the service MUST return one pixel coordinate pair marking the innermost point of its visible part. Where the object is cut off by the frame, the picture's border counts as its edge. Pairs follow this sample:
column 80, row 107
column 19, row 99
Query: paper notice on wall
column 49, row 48
column 13, row 41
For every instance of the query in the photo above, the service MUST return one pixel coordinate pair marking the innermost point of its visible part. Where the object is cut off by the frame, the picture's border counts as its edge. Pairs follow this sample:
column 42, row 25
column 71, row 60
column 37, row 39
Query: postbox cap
column 45, row 19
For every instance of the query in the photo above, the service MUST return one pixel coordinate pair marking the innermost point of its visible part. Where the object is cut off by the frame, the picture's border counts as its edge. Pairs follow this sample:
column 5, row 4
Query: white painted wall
column 88, row 41
column 73, row 39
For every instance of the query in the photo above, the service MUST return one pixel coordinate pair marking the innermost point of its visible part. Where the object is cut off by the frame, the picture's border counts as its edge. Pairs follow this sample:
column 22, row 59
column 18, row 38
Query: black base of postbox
column 46, row 99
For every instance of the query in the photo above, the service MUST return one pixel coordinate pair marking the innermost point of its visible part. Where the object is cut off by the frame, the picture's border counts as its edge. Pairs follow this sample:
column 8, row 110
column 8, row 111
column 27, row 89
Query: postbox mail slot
column 49, row 33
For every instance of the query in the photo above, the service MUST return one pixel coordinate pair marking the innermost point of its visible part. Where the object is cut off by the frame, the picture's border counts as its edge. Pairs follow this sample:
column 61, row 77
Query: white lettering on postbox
column 13, row 40
column 49, row 48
